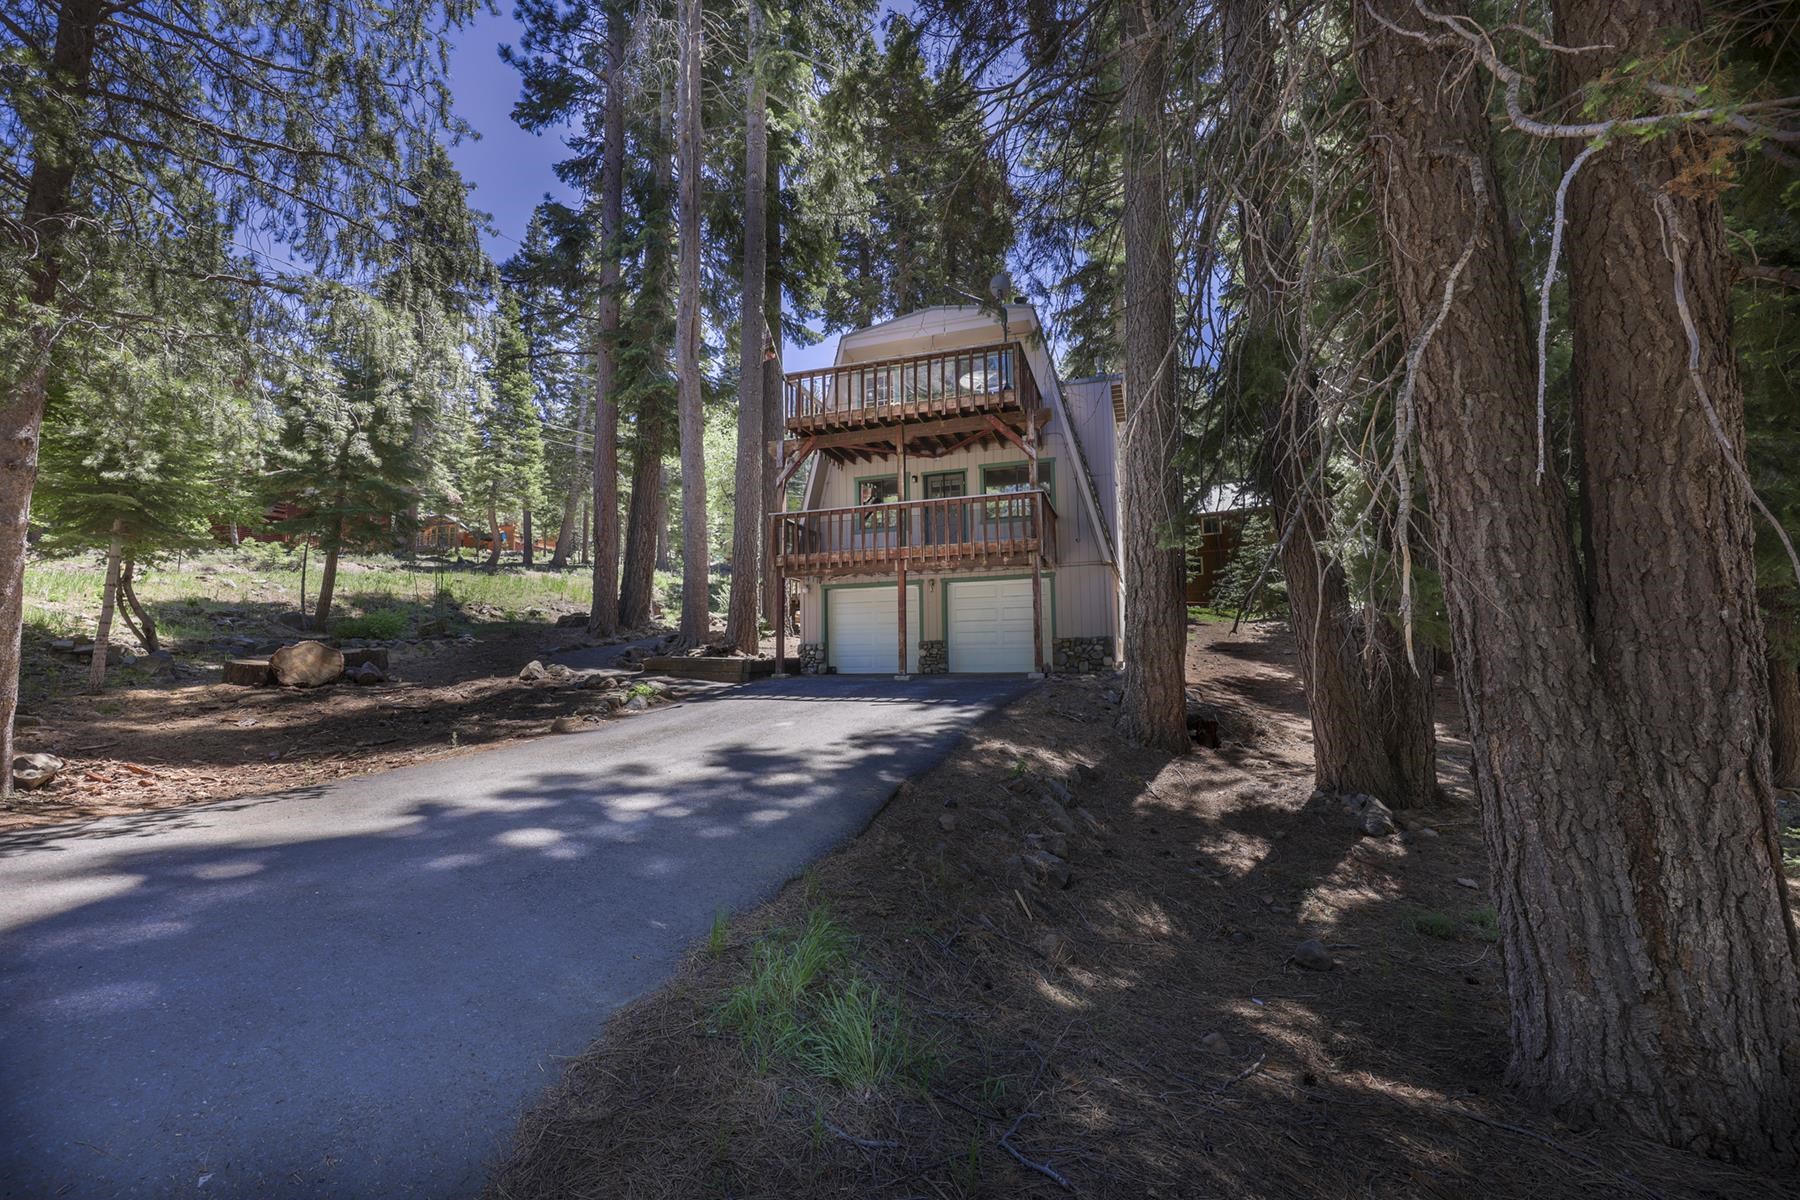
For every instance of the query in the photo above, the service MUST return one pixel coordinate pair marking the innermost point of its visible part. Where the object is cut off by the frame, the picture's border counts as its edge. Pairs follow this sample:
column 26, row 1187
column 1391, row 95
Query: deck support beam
column 903, row 518
column 1039, row 667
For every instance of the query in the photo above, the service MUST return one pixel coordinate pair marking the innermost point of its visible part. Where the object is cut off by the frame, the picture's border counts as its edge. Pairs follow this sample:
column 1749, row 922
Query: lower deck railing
column 917, row 533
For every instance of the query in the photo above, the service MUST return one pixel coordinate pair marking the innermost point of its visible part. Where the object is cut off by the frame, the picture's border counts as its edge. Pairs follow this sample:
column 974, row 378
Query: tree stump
column 247, row 672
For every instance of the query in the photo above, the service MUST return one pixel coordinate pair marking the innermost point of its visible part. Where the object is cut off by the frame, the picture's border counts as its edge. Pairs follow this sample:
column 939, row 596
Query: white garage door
column 863, row 627
column 990, row 626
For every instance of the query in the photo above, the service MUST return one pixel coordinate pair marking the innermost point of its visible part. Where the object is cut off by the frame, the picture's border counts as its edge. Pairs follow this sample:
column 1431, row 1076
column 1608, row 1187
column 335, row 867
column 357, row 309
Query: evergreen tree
column 507, row 455
column 344, row 462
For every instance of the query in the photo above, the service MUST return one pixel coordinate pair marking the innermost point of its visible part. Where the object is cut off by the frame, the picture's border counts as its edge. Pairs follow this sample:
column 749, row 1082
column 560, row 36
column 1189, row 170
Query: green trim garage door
column 862, row 628
column 989, row 626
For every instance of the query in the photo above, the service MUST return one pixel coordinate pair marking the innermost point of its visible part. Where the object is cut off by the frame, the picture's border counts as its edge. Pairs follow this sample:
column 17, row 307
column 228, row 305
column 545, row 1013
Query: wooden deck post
column 781, row 600
column 901, row 673
column 1038, row 665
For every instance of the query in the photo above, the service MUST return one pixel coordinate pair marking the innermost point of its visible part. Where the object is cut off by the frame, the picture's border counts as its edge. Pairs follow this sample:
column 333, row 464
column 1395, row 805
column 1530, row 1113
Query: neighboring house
column 961, row 501
column 1217, row 530
column 439, row 532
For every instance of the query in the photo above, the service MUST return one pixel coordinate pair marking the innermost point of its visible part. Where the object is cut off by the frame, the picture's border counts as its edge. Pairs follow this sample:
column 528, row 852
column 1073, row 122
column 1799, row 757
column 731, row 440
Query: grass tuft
column 802, row 1002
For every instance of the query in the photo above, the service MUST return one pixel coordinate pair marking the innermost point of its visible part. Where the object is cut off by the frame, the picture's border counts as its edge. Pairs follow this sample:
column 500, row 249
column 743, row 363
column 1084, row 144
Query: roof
column 918, row 330
column 1229, row 497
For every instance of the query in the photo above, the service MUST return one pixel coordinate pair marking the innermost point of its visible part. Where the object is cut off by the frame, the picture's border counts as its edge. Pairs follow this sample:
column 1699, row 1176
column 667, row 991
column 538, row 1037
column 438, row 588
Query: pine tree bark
column 747, row 507
column 1784, row 700
column 638, row 582
column 44, row 223
column 321, row 617
column 526, row 549
column 603, row 617
column 696, row 621
column 1154, row 703
column 109, row 596
column 1650, row 959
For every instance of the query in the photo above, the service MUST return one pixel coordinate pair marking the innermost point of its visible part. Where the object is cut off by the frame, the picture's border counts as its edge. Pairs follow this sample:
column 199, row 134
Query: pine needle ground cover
column 1145, row 1031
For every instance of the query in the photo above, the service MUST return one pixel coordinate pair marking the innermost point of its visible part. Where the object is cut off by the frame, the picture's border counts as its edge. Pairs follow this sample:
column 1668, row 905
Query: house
column 1217, row 529
column 960, row 510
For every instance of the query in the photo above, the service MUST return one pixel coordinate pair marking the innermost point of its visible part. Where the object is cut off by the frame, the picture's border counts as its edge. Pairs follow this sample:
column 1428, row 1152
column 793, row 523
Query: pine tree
column 344, row 459
column 507, row 451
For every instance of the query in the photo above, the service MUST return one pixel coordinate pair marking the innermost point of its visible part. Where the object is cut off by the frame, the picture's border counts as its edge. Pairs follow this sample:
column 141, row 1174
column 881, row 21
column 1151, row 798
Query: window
column 872, row 490
column 1012, row 478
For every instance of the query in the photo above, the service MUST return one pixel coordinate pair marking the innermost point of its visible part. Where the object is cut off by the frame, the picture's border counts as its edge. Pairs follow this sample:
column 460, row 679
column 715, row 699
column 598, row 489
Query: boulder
column 1312, row 955
column 33, row 771
column 160, row 662
column 365, row 656
column 533, row 671
column 366, row 675
column 1370, row 816
column 598, row 681
column 247, row 672
column 637, row 703
column 574, row 620
column 567, row 725
column 1047, row 868
column 306, row 664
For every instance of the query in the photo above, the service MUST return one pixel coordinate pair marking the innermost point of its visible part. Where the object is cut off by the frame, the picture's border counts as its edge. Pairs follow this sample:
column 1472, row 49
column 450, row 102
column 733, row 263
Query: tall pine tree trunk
column 1371, row 715
column 109, row 596
column 774, row 416
column 526, row 547
column 695, row 573
column 603, row 618
column 1154, row 706
column 321, row 618
column 747, row 509
column 1679, row 650
column 1649, row 955
column 44, row 224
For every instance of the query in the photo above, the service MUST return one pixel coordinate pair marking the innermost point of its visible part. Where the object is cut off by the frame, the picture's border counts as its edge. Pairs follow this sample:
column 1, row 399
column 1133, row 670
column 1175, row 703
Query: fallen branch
column 860, row 1143
column 1045, row 1169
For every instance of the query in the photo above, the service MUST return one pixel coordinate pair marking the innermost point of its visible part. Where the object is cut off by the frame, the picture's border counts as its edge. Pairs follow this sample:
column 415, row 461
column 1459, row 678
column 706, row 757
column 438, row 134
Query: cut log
column 247, row 672
column 307, row 664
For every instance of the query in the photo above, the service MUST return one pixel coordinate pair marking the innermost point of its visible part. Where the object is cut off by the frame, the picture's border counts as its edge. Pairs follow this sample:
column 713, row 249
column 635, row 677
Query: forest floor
column 928, row 1013
column 171, row 734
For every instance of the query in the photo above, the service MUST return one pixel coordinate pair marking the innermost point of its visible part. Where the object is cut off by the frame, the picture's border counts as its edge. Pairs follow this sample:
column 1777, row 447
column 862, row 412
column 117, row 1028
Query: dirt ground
column 182, row 741
column 1144, row 1031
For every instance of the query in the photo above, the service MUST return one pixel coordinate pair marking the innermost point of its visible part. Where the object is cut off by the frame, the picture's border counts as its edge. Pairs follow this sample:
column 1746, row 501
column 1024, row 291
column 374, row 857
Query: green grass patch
column 803, row 1002
column 716, row 936
column 383, row 624
column 1480, row 924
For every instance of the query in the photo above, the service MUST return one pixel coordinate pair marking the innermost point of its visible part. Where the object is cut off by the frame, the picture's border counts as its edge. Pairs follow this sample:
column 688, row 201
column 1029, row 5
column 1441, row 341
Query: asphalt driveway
column 354, row 989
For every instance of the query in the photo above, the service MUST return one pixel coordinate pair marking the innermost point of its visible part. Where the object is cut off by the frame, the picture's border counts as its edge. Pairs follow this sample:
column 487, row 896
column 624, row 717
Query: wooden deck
column 917, row 390
column 954, row 533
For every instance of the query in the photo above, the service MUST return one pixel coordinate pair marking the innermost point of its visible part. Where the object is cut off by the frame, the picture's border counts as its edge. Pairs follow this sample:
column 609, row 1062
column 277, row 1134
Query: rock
column 247, row 672
column 366, row 675
column 572, row 620
column 1057, row 816
column 947, row 822
column 994, row 816
column 1055, row 843
column 596, row 681
column 1312, row 955
column 559, row 671
column 1370, row 816
column 533, row 671
column 372, row 655
column 63, row 645
column 1050, row 944
column 1215, row 1043
column 1465, row 881
column 306, row 664
column 436, row 628
column 1056, row 790
column 1426, row 832
column 160, row 662
column 1087, row 774
column 33, row 771
column 638, row 703
column 567, row 725
column 1047, row 868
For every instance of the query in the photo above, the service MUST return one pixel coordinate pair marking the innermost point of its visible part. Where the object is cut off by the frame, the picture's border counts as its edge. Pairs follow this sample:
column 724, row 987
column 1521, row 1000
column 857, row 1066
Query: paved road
column 353, row 990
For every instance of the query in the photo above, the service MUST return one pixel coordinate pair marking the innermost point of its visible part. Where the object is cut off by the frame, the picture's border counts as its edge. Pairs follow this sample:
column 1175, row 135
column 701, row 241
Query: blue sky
column 512, row 170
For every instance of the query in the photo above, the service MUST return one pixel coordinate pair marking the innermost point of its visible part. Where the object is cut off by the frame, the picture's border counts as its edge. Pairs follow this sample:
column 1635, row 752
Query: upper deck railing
column 946, row 383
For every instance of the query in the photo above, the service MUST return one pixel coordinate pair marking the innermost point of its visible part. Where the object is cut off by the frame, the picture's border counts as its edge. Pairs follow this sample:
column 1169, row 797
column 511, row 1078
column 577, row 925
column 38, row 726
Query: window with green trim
column 1009, row 478
column 872, row 490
